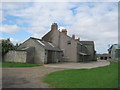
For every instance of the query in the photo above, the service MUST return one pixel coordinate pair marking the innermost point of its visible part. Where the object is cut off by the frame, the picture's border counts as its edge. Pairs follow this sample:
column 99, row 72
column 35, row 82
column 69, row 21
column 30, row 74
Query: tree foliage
column 6, row 45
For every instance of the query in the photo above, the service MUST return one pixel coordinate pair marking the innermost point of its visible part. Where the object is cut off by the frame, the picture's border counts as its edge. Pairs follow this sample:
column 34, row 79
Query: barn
column 40, row 52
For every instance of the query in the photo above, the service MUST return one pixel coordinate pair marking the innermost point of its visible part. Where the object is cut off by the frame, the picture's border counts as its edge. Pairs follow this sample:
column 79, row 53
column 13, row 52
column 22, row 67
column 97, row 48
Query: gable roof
column 46, row 45
column 117, row 46
column 87, row 42
column 105, row 55
column 84, row 43
column 47, row 33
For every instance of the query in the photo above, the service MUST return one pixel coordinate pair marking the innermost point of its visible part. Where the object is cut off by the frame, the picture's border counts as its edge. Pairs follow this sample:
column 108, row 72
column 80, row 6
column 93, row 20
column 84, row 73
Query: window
column 69, row 42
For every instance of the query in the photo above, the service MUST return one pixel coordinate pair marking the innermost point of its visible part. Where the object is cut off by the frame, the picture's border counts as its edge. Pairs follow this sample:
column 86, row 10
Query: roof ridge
column 35, row 38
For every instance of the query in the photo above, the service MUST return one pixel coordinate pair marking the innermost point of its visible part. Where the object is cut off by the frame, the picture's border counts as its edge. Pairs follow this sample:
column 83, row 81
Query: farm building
column 44, row 52
column 55, row 46
column 114, row 50
column 73, row 49
column 105, row 56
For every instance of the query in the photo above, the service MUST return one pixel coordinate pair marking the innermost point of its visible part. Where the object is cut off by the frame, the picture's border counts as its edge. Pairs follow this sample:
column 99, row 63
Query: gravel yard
column 81, row 65
column 31, row 77
column 25, row 77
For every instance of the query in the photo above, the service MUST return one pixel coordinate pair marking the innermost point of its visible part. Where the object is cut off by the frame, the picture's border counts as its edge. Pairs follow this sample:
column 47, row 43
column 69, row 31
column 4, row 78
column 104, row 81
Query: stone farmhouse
column 73, row 49
column 55, row 46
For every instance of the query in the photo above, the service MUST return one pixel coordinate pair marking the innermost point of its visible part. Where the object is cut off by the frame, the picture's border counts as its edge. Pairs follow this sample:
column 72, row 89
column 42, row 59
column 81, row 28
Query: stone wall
column 39, row 51
column 30, row 55
column 15, row 56
column 61, row 40
column 56, row 56
column 69, row 47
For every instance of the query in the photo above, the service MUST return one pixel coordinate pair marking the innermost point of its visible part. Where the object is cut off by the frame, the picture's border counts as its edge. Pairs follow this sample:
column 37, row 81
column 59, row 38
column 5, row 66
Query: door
column 49, row 57
column 81, row 58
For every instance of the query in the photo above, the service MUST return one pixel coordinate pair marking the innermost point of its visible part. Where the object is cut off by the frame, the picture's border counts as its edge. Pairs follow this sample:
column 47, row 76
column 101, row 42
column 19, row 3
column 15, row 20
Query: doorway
column 49, row 57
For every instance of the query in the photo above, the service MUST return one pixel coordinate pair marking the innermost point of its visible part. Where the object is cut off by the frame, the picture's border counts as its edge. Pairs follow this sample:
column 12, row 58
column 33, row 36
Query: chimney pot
column 73, row 36
column 64, row 31
column 54, row 26
column 78, row 39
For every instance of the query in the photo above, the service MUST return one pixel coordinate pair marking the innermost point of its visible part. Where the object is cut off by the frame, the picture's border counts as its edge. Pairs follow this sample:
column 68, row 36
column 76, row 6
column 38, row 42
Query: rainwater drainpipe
column 59, row 40
column 81, row 51
column 15, row 56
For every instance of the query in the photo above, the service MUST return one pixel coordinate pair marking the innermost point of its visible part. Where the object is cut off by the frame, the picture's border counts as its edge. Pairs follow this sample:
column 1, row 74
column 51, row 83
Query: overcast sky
column 93, row 21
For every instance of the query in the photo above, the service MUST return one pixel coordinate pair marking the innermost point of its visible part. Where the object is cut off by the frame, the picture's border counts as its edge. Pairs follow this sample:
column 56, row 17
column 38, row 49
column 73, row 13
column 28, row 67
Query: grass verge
column 17, row 64
column 101, row 77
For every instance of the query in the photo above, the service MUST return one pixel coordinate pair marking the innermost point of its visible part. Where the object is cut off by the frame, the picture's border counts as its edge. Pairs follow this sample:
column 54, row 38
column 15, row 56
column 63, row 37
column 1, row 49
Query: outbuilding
column 105, row 56
column 44, row 52
column 114, row 50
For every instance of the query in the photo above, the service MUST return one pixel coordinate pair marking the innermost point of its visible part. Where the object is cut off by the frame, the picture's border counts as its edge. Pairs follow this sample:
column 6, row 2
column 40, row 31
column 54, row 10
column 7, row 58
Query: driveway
column 32, row 77
column 68, row 65
column 25, row 77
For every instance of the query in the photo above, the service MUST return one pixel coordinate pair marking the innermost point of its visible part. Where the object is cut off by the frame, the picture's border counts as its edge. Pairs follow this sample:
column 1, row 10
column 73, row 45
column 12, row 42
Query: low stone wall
column 15, row 56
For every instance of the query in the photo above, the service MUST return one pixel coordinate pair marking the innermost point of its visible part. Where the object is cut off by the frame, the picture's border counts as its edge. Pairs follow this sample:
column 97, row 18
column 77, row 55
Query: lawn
column 101, row 77
column 17, row 64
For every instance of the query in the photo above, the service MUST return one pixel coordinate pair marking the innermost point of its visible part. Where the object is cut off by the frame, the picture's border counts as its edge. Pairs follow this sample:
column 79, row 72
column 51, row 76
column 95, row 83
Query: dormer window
column 69, row 42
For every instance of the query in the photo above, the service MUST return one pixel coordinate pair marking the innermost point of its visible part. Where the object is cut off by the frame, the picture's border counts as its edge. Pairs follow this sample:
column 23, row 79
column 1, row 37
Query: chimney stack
column 78, row 39
column 64, row 31
column 73, row 36
column 54, row 26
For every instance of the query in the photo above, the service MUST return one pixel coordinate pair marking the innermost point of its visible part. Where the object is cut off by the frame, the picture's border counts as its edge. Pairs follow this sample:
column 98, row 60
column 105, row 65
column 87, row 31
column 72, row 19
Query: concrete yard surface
column 71, row 65
column 25, row 77
column 31, row 77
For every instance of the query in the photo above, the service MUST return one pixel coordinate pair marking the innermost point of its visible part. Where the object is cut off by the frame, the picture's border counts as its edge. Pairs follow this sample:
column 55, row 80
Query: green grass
column 17, row 64
column 101, row 77
column 0, row 64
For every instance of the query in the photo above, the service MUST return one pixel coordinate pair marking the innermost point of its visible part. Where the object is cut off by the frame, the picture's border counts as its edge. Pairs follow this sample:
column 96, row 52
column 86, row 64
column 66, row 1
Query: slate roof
column 84, row 54
column 105, row 55
column 47, row 45
column 117, row 46
column 87, row 42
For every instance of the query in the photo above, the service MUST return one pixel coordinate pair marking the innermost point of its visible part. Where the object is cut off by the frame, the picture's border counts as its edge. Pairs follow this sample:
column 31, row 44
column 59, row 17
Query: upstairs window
column 69, row 42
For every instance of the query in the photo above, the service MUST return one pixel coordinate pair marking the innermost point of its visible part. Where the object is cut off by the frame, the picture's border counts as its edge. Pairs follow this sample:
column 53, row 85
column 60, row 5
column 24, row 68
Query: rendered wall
column 16, row 56
column 61, row 40
column 39, row 53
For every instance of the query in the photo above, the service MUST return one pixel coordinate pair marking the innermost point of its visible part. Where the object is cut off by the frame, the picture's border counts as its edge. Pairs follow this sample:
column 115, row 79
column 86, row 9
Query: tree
column 6, row 45
column 16, row 46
